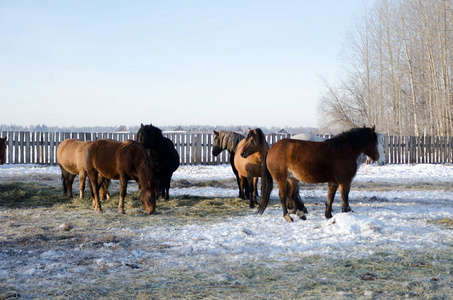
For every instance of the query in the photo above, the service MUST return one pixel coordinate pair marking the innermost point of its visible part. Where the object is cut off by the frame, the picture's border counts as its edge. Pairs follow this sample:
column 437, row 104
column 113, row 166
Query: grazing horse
column 333, row 161
column 248, row 161
column 163, row 154
column 123, row 162
column 2, row 150
column 71, row 159
column 228, row 140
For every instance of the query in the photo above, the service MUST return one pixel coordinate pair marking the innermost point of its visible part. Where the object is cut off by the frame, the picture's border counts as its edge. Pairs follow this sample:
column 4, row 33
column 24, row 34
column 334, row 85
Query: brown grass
column 34, row 217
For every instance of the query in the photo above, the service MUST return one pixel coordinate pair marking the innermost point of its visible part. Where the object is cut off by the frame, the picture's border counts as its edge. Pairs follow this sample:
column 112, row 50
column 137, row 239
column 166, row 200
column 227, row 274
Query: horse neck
column 230, row 142
column 144, row 171
column 346, row 147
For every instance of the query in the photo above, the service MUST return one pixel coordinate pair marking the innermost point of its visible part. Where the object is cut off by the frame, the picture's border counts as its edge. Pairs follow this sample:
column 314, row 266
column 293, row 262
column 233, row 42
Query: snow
column 389, row 219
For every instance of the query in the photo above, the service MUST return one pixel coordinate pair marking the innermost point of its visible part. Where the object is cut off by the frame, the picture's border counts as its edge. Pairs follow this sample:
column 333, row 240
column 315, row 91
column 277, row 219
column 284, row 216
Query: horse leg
column 282, row 191
column 255, row 190
column 295, row 200
column 293, row 190
column 331, row 190
column 69, row 183
column 238, row 178
column 123, row 188
column 167, row 187
column 82, row 179
column 93, row 176
column 242, row 181
column 251, row 193
column 104, row 189
column 344, row 190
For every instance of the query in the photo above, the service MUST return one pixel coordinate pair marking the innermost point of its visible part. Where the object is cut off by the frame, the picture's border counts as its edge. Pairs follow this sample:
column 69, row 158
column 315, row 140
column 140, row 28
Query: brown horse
column 333, row 161
column 248, row 161
column 2, row 150
column 123, row 162
column 71, row 159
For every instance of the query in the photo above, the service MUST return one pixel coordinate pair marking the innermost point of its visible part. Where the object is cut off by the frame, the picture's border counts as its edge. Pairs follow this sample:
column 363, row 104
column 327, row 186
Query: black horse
column 162, row 152
column 228, row 140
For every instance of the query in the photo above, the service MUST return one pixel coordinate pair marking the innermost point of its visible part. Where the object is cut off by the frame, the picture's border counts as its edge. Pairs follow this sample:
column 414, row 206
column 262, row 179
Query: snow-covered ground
column 382, row 219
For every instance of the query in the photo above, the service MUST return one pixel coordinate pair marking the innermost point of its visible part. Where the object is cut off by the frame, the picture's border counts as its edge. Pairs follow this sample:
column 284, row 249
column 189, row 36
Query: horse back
column 112, row 158
column 71, row 155
column 102, row 155
column 310, row 162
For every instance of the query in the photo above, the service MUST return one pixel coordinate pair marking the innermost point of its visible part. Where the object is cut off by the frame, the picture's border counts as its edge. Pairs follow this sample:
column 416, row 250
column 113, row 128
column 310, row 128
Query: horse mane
column 230, row 139
column 147, row 134
column 259, row 133
column 146, row 165
column 358, row 137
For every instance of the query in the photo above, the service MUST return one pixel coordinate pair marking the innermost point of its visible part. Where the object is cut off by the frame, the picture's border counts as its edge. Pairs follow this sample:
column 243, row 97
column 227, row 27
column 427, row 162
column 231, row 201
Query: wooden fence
column 196, row 148
column 418, row 149
column 41, row 147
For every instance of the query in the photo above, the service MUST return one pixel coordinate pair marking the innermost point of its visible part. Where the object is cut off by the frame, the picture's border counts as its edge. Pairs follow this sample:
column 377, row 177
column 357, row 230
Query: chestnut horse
column 333, row 161
column 229, row 140
column 2, row 150
column 123, row 162
column 248, row 161
column 71, row 159
column 163, row 154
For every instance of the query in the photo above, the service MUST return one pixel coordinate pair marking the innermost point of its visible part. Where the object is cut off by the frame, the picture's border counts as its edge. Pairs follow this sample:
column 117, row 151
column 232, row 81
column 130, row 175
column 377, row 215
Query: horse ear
column 141, row 125
column 216, row 133
column 373, row 128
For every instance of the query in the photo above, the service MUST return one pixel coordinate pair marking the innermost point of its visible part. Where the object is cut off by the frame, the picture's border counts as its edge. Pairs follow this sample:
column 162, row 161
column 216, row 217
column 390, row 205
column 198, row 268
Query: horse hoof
column 301, row 215
column 99, row 210
column 122, row 211
column 288, row 218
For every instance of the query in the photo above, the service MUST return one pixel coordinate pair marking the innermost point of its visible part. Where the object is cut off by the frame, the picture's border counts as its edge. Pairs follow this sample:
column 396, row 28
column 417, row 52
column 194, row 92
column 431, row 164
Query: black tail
column 267, row 184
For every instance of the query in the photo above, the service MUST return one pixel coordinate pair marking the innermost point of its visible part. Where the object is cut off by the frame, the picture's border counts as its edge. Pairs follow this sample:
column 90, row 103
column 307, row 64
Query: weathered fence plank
column 41, row 147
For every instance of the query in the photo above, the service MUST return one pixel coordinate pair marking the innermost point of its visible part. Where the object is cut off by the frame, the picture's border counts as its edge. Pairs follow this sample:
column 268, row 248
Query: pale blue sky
column 88, row 63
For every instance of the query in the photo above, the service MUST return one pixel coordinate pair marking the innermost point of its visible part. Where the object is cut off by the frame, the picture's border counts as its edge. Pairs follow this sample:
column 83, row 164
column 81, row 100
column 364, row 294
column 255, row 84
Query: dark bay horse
column 123, row 162
column 248, row 161
column 71, row 159
column 162, row 153
column 333, row 161
column 228, row 140
column 2, row 150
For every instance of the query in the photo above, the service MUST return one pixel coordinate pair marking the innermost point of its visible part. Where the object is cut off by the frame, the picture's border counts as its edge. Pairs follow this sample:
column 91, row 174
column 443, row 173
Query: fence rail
column 418, row 149
column 41, row 147
column 25, row 147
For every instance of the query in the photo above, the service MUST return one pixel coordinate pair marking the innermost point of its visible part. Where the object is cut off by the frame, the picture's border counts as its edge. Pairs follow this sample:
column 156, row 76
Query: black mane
column 229, row 140
column 148, row 136
column 358, row 137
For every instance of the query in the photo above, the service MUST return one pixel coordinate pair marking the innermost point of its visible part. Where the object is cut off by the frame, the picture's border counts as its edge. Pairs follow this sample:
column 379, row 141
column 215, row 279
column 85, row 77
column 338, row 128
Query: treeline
column 399, row 65
column 122, row 128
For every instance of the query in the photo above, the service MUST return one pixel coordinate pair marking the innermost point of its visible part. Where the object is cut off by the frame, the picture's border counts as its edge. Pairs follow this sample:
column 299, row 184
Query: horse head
column 254, row 142
column 2, row 150
column 217, row 148
column 148, row 135
column 148, row 196
column 371, row 148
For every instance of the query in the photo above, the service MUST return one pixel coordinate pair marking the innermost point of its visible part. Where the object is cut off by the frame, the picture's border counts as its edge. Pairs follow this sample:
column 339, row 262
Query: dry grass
column 36, row 218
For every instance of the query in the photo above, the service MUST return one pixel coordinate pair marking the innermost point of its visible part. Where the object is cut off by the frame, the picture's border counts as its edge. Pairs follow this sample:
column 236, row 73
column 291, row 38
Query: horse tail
column 266, row 187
